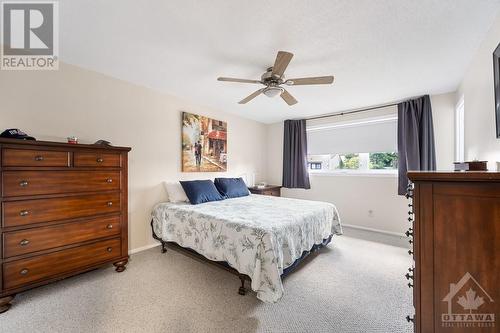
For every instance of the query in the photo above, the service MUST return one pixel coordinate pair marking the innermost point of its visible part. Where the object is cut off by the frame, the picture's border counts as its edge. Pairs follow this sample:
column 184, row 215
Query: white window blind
column 365, row 135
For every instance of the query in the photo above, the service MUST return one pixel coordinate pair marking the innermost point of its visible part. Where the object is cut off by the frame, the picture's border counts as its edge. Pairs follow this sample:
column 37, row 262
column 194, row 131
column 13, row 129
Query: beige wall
column 367, row 201
column 91, row 106
column 478, row 91
column 443, row 115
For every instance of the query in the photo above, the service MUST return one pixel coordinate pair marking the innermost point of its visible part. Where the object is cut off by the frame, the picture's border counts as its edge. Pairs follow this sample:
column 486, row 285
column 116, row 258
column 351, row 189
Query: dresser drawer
column 24, row 212
column 93, row 159
column 20, row 272
column 30, row 158
column 17, row 183
column 38, row 239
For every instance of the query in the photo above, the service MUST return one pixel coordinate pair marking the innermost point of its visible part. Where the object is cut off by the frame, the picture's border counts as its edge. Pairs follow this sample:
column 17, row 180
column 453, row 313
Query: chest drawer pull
column 38, row 158
column 109, row 249
column 109, row 226
column 109, row 180
column 109, row 203
column 23, row 183
column 24, row 242
column 24, row 271
column 99, row 160
column 23, row 213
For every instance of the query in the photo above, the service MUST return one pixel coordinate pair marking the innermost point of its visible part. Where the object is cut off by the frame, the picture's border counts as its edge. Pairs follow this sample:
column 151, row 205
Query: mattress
column 257, row 235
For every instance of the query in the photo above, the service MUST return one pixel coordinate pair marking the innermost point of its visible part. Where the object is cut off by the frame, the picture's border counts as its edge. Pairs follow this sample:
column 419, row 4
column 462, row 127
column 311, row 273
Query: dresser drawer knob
column 410, row 252
column 109, row 249
column 410, row 285
column 409, row 232
column 409, row 319
column 411, row 269
column 109, row 180
column 24, row 242
column 24, row 271
column 24, row 212
column 23, row 183
column 408, row 276
column 109, row 203
column 99, row 160
column 109, row 226
column 38, row 158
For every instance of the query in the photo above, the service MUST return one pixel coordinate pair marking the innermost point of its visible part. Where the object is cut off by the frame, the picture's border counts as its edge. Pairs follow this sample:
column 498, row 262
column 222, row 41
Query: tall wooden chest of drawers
column 456, row 245
column 63, row 212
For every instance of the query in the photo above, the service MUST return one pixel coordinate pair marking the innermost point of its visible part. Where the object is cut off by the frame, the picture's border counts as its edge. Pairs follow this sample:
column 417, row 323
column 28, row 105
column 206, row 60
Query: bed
column 259, row 237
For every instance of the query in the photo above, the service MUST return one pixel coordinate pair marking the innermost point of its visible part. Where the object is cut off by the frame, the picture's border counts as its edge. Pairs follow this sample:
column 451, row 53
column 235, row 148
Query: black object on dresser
column 64, row 212
column 455, row 237
column 273, row 190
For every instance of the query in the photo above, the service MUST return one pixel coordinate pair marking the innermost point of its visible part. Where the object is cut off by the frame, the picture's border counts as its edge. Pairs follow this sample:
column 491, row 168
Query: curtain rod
column 359, row 110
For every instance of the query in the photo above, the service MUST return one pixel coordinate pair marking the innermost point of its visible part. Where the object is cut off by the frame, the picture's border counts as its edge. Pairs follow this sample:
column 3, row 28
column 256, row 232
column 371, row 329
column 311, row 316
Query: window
column 376, row 162
column 459, row 130
column 363, row 145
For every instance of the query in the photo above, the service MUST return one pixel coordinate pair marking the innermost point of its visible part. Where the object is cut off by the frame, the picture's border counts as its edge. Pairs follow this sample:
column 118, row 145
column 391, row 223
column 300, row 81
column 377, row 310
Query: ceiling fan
column 273, row 78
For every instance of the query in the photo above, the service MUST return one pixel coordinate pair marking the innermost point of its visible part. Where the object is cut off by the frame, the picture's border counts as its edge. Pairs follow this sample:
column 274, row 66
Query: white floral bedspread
column 257, row 235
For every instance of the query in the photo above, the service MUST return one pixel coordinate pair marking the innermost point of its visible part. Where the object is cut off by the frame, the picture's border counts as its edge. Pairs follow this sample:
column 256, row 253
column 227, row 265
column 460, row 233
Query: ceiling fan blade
column 281, row 63
column 289, row 99
column 231, row 79
column 252, row 96
column 310, row 80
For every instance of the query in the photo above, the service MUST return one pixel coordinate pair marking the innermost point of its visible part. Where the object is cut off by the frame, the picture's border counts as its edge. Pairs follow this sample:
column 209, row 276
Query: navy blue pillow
column 231, row 187
column 200, row 191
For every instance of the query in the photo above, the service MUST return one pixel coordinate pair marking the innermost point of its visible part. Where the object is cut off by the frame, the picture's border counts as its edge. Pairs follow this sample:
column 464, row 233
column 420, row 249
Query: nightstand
column 273, row 190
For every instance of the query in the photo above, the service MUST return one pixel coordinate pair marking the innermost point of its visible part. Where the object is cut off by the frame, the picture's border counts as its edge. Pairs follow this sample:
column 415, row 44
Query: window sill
column 355, row 173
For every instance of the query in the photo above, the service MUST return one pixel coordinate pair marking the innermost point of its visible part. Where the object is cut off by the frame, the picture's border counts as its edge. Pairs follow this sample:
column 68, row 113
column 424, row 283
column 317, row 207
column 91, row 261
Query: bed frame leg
column 242, row 290
column 163, row 247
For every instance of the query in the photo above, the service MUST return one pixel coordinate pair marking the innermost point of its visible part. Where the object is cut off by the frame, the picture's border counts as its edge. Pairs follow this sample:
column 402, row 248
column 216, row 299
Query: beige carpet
column 353, row 286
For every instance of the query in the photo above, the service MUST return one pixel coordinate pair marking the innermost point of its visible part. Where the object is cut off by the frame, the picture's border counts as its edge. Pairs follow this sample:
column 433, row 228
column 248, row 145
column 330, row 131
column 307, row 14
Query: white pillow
column 175, row 192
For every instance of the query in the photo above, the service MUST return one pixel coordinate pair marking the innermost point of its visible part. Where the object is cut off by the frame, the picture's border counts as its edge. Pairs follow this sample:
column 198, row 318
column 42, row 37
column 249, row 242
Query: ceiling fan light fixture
column 274, row 77
column 273, row 91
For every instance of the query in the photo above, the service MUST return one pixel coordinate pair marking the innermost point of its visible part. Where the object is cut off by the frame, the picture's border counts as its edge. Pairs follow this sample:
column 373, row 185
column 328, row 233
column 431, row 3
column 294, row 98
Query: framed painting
column 496, row 74
column 204, row 144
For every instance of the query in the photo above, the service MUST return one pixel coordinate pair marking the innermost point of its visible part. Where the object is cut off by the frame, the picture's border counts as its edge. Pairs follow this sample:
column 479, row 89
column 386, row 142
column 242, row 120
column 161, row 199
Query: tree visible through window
column 349, row 161
column 383, row 161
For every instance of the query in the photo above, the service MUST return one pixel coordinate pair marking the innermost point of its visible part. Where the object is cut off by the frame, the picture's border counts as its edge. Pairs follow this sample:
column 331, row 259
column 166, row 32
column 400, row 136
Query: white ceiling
column 379, row 51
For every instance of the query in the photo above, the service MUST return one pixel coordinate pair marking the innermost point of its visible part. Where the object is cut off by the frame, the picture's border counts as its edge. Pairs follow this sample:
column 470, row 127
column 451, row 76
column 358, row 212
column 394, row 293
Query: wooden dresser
column 456, row 248
column 63, row 212
column 273, row 190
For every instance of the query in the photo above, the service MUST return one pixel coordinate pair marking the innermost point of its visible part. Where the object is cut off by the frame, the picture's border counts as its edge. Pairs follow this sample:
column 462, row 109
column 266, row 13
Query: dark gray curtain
column 295, row 174
column 416, row 150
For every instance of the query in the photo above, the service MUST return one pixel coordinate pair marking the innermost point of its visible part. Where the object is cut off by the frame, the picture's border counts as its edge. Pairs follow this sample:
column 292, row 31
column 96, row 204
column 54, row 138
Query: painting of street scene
column 204, row 144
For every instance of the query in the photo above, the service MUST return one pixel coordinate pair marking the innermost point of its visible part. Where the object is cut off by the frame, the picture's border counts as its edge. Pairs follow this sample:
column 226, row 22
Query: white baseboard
column 376, row 235
column 143, row 248
column 353, row 226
